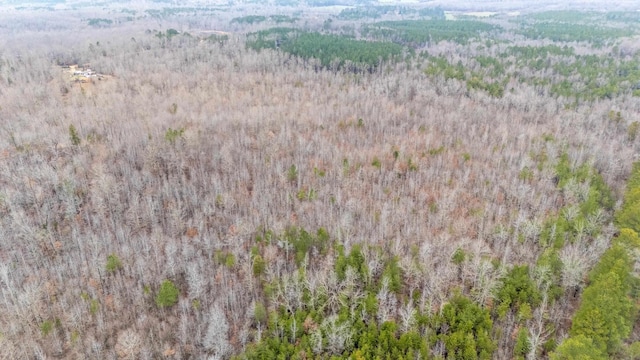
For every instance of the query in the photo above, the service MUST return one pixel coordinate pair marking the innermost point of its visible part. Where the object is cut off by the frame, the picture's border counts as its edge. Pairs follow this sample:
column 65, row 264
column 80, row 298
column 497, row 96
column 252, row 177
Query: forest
column 327, row 179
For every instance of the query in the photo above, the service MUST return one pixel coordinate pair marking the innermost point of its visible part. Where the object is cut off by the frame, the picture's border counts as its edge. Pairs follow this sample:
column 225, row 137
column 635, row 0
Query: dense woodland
column 296, row 181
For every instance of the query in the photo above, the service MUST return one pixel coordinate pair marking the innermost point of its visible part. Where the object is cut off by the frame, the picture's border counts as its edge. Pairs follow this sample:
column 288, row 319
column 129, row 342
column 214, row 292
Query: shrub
column 292, row 174
column 458, row 256
column 167, row 295
column 225, row 258
column 393, row 271
column 94, row 306
column 606, row 314
column 468, row 327
column 46, row 327
column 629, row 215
column 113, row 263
column 577, row 348
column 260, row 313
column 302, row 242
column 99, row 22
column 376, row 163
column 195, row 303
column 522, row 344
column 632, row 130
column 633, row 351
column 355, row 260
column 306, row 194
column 73, row 136
column 518, row 288
column 172, row 135
column 526, row 174
column 259, row 265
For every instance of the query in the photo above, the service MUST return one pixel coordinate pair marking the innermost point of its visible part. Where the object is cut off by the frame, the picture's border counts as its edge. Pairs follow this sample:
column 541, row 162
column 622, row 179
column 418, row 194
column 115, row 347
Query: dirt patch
column 84, row 74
